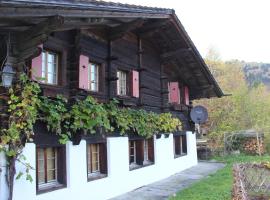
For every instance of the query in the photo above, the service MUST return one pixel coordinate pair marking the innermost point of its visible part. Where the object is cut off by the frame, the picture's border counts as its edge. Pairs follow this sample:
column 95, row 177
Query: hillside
column 257, row 73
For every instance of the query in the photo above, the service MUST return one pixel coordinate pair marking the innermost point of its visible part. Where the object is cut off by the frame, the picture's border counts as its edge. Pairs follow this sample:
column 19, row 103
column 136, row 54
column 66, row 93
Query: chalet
column 141, row 56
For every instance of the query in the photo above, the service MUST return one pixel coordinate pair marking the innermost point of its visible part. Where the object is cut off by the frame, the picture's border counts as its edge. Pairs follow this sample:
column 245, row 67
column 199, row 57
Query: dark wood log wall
column 127, row 53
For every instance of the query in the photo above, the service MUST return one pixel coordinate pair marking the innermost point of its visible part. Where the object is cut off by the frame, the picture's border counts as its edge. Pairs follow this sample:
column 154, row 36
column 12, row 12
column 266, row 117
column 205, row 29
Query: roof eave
column 219, row 93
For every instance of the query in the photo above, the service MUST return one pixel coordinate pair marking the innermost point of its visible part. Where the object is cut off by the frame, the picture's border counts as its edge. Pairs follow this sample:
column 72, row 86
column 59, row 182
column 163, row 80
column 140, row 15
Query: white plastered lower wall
column 120, row 179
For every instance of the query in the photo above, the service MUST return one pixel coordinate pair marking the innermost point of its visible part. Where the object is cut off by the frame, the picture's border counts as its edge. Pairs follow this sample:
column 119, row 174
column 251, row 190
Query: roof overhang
column 161, row 26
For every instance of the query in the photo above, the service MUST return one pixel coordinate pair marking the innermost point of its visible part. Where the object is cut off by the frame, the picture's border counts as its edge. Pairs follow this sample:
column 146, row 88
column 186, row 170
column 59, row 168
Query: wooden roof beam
column 176, row 53
column 47, row 26
column 121, row 30
column 151, row 28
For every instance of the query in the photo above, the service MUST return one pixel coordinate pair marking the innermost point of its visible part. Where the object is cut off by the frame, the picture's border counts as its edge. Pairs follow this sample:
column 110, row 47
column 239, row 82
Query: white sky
column 238, row 29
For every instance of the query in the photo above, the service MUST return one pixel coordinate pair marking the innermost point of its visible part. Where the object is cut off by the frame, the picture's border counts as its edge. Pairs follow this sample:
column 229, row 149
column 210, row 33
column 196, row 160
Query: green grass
column 217, row 186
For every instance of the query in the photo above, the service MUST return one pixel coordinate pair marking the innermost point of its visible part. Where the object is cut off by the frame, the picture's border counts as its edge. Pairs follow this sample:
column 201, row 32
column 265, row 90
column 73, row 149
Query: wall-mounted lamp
column 7, row 75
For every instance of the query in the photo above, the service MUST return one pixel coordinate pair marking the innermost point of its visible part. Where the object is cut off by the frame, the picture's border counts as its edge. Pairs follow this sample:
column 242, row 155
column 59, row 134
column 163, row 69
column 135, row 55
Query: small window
column 180, row 145
column 132, row 152
column 50, row 67
column 122, row 83
column 96, row 161
column 50, row 168
column 93, row 76
column 141, row 153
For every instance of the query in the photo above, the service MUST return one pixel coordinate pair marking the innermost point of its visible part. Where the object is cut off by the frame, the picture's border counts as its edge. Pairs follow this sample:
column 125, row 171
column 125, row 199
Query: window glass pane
column 93, row 76
column 132, row 152
column 51, row 164
column 51, row 175
column 95, row 158
column 89, row 158
column 146, row 150
column 51, row 58
column 41, row 167
column 49, row 67
column 122, row 82
column 43, row 65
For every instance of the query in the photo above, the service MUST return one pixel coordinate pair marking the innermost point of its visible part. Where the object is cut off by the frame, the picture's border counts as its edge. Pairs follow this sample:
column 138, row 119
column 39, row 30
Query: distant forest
column 257, row 73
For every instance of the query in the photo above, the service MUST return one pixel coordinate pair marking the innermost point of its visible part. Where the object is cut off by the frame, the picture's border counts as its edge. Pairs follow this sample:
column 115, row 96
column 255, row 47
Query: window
column 141, row 153
column 49, row 67
column 93, row 76
column 132, row 152
column 122, row 83
column 96, row 161
column 50, row 167
column 180, row 145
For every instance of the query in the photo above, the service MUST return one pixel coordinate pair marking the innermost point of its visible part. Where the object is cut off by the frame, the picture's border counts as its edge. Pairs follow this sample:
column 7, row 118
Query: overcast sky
column 238, row 29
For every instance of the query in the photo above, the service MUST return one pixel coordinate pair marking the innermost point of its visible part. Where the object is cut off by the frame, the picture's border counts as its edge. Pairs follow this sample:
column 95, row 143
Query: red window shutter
column 36, row 66
column 135, row 84
column 83, row 72
column 186, row 95
column 174, row 93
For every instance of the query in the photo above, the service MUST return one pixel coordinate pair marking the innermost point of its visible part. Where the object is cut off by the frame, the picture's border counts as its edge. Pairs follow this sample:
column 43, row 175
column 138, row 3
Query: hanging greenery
column 25, row 106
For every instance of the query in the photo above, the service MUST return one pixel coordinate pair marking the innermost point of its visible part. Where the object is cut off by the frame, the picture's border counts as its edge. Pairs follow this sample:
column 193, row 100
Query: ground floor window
column 180, row 145
column 96, row 161
column 141, row 153
column 50, row 168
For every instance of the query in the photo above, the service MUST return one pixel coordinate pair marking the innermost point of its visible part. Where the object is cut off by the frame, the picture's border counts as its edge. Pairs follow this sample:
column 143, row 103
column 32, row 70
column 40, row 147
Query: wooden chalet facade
column 139, row 55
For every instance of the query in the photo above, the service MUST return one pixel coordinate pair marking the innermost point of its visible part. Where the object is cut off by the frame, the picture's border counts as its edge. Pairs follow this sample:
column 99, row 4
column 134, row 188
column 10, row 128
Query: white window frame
column 45, row 63
column 96, row 76
column 122, row 83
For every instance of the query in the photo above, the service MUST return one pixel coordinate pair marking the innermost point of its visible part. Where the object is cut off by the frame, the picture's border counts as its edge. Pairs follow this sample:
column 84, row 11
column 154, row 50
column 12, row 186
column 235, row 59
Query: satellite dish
column 199, row 114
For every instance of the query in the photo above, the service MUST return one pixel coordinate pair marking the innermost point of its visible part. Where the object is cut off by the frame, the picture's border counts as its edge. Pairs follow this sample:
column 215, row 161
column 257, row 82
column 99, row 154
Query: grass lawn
column 217, row 186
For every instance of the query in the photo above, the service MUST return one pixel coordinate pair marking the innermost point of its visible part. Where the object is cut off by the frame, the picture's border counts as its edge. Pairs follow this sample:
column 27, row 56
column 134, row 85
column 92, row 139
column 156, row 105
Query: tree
column 246, row 108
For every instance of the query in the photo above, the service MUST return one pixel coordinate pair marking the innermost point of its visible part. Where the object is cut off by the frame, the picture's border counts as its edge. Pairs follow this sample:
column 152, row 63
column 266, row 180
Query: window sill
column 136, row 166
column 92, row 92
column 51, row 188
column 96, row 176
column 178, row 156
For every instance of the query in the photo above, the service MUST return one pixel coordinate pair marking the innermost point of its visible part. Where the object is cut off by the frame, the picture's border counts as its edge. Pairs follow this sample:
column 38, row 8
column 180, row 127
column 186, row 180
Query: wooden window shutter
column 139, row 152
column 174, row 92
column 186, row 90
column 103, row 158
column 36, row 66
column 61, row 165
column 151, row 154
column 184, row 143
column 135, row 84
column 177, row 145
column 83, row 72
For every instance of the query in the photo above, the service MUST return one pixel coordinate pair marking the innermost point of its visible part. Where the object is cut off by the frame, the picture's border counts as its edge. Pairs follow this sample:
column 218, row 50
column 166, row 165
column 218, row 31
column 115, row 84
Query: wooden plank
column 173, row 53
column 121, row 30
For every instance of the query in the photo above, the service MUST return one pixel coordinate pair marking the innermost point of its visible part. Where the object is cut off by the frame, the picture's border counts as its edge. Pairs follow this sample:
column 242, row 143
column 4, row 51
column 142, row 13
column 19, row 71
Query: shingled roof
column 176, row 48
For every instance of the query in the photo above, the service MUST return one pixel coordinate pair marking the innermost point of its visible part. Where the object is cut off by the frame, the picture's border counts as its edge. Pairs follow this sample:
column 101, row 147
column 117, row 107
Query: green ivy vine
column 25, row 106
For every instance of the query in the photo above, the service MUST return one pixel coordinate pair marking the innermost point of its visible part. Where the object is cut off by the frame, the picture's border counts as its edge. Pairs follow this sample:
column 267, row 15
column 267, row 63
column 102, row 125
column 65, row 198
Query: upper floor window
column 122, row 83
column 93, row 76
column 180, row 145
column 49, row 67
column 96, row 160
column 50, row 168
